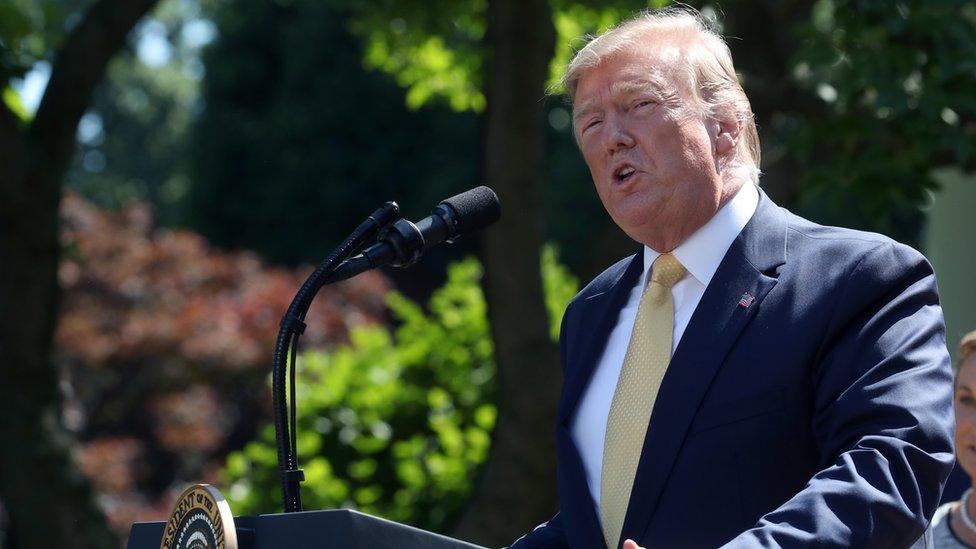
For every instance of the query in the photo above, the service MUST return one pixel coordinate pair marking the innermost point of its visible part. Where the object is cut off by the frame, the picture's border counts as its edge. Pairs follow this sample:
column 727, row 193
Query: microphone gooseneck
column 399, row 243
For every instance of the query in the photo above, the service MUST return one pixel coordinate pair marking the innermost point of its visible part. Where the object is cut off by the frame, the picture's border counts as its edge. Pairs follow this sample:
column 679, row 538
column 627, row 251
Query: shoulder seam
column 880, row 241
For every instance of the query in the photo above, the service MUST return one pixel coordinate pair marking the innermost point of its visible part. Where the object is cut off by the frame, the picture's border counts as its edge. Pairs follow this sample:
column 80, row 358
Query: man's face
column 652, row 156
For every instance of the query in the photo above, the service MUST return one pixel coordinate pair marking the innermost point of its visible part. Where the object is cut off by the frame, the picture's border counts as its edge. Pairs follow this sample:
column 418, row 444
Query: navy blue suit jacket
column 818, row 415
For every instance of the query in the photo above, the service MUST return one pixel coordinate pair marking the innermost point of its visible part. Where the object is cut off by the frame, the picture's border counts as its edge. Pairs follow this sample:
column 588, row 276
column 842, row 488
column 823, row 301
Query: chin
column 966, row 462
column 633, row 225
column 637, row 232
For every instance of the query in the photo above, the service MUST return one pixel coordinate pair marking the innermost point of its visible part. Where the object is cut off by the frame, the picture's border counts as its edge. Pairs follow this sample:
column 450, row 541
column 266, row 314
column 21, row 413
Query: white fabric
column 942, row 535
column 701, row 255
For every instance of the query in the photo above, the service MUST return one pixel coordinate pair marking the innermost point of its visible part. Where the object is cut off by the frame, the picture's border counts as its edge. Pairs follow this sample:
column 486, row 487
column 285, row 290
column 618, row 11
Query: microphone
column 403, row 242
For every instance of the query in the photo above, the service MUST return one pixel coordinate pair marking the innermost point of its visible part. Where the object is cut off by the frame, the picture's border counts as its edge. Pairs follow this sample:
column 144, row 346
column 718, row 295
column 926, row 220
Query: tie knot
column 667, row 270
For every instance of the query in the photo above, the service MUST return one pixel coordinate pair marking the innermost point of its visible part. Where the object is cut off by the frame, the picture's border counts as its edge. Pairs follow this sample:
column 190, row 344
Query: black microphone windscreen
column 476, row 209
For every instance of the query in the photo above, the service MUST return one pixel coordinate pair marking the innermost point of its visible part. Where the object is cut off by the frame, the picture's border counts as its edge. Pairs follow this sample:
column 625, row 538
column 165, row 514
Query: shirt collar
column 703, row 251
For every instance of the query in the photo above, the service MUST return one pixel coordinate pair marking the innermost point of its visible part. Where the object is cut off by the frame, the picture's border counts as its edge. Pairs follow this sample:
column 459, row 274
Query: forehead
column 624, row 73
column 966, row 376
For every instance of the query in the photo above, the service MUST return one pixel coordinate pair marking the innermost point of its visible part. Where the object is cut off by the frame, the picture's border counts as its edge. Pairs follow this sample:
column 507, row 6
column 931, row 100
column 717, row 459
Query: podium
column 334, row 529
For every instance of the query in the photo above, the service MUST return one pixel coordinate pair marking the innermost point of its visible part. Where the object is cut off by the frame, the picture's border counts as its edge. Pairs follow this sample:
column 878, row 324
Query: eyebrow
column 584, row 109
column 627, row 87
column 639, row 85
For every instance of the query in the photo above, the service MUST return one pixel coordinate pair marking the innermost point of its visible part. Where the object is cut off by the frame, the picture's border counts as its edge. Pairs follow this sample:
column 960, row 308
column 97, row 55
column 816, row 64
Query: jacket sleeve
column 548, row 535
column 883, row 415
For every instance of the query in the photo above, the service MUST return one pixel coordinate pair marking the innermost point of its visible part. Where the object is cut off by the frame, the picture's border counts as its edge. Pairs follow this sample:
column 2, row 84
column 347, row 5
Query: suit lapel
column 746, row 274
column 602, row 310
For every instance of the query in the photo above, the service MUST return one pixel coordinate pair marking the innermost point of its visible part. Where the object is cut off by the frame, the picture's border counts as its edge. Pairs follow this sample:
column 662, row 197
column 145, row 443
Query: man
column 750, row 378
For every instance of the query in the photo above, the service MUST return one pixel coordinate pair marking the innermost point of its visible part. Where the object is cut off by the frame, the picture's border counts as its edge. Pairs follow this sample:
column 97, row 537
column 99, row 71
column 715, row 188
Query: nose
column 618, row 136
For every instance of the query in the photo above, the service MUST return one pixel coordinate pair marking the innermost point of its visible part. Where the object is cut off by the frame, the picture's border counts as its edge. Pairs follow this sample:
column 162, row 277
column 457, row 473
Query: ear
column 726, row 136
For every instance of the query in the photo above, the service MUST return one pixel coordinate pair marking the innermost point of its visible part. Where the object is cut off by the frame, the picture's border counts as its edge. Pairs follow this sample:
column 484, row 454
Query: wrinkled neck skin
column 664, row 238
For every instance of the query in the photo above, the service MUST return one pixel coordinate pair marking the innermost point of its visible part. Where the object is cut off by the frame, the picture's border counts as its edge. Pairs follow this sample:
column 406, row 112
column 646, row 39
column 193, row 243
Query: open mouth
column 624, row 173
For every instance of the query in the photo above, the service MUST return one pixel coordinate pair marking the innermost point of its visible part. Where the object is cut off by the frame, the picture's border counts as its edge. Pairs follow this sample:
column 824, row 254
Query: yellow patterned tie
column 648, row 355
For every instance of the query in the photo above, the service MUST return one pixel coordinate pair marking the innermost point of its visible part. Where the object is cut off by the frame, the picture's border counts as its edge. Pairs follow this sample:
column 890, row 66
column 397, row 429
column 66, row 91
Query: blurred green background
column 170, row 169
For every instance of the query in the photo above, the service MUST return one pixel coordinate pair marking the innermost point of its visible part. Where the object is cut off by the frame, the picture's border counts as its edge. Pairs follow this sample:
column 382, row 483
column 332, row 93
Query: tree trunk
column 766, row 60
column 517, row 489
column 49, row 502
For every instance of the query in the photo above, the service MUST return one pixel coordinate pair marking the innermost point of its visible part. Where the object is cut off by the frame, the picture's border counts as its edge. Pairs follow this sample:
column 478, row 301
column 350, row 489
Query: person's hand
column 631, row 544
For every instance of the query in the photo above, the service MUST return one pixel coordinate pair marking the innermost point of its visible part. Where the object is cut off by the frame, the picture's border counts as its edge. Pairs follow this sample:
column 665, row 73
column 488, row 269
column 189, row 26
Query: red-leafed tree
column 167, row 344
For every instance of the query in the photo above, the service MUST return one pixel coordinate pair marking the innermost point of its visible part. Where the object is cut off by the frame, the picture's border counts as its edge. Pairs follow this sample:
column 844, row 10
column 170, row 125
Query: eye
column 591, row 123
column 643, row 103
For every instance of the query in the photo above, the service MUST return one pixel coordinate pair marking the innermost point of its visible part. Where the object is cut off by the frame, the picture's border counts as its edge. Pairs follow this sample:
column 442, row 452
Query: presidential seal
column 201, row 519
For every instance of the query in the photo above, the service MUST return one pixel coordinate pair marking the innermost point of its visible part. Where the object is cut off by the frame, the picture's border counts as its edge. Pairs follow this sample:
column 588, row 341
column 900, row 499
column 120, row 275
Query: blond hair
column 706, row 69
column 967, row 348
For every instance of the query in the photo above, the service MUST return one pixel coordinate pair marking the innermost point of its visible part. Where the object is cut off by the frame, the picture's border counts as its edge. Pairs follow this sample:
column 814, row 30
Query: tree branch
column 79, row 66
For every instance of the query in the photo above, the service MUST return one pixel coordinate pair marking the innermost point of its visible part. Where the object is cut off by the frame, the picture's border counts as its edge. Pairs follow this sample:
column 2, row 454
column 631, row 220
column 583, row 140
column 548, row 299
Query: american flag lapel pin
column 746, row 300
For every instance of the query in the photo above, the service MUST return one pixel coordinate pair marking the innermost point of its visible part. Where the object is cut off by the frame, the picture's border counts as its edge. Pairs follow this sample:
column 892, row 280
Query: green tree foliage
column 298, row 142
column 857, row 100
column 395, row 425
column 895, row 81
column 436, row 51
column 132, row 139
column 132, row 142
column 302, row 132
column 31, row 31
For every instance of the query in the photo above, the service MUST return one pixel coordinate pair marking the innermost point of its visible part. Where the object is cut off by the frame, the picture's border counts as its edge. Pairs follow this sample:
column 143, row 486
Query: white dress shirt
column 701, row 254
